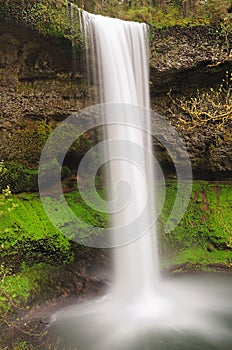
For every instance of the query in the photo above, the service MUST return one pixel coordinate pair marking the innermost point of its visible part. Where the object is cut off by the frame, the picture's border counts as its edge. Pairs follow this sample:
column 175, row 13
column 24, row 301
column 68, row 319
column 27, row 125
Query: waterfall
column 141, row 310
column 119, row 59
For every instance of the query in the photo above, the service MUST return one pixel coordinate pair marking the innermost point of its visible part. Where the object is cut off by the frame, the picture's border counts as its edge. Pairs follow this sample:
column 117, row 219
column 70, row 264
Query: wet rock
column 37, row 90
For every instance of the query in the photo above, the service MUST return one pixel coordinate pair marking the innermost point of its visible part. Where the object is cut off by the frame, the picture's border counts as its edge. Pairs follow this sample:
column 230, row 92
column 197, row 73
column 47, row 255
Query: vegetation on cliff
column 46, row 16
column 33, row 251
column 52, row 16
column 203, row 236
column 169, row 13
column 208, row 107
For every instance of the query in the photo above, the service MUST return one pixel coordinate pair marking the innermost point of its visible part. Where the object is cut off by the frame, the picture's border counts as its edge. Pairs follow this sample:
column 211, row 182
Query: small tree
column 213, row 106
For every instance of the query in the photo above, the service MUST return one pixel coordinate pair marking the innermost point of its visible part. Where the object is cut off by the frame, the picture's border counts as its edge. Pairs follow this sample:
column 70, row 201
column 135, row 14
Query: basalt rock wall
column 39, row 88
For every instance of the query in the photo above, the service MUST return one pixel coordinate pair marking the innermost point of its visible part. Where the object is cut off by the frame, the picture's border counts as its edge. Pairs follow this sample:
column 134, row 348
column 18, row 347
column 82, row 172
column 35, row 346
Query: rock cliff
column 38, row 88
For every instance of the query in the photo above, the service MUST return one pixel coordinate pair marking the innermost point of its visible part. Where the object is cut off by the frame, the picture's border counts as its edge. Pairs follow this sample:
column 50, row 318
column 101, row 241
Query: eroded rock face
column 209, row 145
column 210, row 151
column 179, row 48
column 37, row 90
column 184, row 60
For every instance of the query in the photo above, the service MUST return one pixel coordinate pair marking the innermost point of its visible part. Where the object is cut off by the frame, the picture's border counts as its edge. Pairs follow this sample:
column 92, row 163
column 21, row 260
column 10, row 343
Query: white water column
column 119, row 58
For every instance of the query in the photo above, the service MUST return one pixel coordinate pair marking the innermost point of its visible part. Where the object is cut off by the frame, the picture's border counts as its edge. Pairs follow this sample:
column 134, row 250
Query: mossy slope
column 205, row 232
column 203, row 236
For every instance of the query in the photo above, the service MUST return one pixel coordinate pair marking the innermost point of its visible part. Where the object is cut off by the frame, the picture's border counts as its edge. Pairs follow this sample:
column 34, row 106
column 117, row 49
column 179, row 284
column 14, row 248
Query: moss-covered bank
column 38, row 263
column 202, row 237
column 27, row 235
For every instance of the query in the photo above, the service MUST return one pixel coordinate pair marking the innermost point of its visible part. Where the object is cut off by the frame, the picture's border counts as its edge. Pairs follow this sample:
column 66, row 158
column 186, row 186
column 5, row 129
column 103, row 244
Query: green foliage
column 204, row 233
column 28, row 241
column 16, row 288
column 47, row 16
column 5, row 195
column 28, row 235
column 156, row 17
column 12, row 288
column 29, row 142
column 19, row 178
column 52, row 17
column 160, row 14
column 65, row 172
column 215, row 10
column 82, row 144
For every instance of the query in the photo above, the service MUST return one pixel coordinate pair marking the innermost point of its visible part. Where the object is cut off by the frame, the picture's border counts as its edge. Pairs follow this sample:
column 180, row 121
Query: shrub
column 215, row 10
column 47, row 16
column 19, row 178
column 211, row 107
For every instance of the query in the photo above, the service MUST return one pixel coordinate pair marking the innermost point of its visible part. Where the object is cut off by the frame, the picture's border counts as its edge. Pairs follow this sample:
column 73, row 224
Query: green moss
column 19, row 178
column 47, row 16
column 32, row 249
column 30, row 244
column 16, row 288
column 52, row 17
column 202, row 236
column 28, row 236
column 204, row 233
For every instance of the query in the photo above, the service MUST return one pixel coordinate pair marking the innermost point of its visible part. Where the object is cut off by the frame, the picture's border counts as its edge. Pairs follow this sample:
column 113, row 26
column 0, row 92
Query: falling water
column 184, row 315
column 121, row 56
